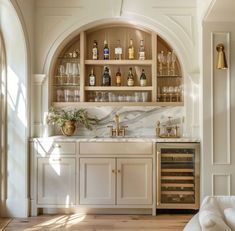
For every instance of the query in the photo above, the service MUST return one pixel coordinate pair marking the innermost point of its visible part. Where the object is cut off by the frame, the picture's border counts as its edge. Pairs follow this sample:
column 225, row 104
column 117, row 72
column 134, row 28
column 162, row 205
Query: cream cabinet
column 120, row 181
column 134, row 181
column 56, row 181
column 75, row 174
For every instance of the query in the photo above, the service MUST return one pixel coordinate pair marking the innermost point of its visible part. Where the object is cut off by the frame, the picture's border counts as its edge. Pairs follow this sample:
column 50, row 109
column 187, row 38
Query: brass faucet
column 119, row 130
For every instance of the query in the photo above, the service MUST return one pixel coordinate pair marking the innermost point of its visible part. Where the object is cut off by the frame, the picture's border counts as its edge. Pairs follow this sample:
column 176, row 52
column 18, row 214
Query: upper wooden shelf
column 119, row 62
column 121, row 88
column 91, row 104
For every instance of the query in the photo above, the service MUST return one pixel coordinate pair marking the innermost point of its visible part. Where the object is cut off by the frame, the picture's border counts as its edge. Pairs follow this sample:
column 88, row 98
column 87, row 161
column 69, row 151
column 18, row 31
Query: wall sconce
column 221, row 58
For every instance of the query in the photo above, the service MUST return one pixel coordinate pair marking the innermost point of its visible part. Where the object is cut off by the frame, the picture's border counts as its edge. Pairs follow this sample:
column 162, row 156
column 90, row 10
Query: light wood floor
column 80, row 222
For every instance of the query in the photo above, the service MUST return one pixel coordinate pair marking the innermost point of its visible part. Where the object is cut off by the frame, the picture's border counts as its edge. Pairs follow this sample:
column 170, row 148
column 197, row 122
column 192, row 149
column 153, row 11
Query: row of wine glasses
column 169, row 94
column 100, row 96
column 169, row 60
column 68, row 95
column 68, row 73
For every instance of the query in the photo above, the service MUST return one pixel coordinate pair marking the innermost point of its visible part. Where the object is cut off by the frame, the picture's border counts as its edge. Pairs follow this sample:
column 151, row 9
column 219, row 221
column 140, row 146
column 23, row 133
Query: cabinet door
column 97, row 181
column 56, row 181
column 134, row 181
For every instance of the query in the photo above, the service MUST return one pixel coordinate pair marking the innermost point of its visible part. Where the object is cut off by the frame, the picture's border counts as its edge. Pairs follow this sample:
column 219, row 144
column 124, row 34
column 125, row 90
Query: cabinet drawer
column 49, row 148
column 135, row 148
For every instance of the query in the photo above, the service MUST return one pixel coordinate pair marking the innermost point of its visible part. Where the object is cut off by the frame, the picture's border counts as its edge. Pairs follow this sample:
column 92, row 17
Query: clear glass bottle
column 141, row 50
column 118, row 51
column 106, row 50
column 92, row 78
column 131, row 51
column 95, row 53
column 130, row 78
column 143, row 79
column 106, row 77
column 118, row 78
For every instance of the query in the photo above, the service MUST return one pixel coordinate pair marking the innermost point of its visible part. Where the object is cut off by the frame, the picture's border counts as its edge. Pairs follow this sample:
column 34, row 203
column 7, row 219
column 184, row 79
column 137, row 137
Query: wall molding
column 228, row 176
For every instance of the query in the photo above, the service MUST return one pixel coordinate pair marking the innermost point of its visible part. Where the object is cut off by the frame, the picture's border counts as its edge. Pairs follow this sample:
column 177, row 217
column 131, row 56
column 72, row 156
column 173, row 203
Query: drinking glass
column 76, row 95
column 68, row 95
column 168, row 61
column 173, row 60
column 61, row 73
column 145, row 96
column 161, row 60
column 59, row 95
column 164, row 91
column 68, row 72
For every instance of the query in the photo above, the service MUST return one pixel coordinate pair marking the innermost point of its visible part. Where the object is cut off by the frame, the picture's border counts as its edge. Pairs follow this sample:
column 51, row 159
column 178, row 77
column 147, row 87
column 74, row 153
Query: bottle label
column 130, row 82
column 94, row 53
column 143, row 82
column 118, row 80
column 118, row 51
column 106, row 53
column 131, row 53
column 92, row 81
column 141, row 55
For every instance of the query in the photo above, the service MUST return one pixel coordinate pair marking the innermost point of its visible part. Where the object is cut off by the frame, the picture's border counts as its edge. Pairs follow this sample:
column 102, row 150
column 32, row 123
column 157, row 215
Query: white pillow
column 210, row 216
column 229, row 214
column 210, row 221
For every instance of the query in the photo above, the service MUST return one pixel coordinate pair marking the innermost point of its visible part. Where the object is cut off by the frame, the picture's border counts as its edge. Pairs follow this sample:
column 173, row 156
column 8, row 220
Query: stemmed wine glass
column 173, row 60
column 168, row 61
column 61, row 73
column 161, row 60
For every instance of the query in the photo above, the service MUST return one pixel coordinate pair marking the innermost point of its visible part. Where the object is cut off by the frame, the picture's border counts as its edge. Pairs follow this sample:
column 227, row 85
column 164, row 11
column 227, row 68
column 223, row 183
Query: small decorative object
column 68, row 120
column 170, row 130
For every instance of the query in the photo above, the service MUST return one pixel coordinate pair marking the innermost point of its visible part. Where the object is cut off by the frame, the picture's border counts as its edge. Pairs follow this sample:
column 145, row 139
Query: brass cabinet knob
column 119, row 171
column 113, row 171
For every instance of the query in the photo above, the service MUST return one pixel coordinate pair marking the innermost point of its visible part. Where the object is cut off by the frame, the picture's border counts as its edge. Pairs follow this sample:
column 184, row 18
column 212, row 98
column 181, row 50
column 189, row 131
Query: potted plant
column 67, row 120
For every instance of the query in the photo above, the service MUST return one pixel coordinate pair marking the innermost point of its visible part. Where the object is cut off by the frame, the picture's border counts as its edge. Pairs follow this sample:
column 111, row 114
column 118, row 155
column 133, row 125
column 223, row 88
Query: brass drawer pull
column 59, row 159
column 56, row 145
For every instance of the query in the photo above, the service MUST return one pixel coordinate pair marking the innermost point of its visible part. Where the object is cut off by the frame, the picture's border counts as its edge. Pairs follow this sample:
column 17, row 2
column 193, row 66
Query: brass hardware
column 221, row 58
column 119, row 171
column 113, row 171
column 119, row 130
column 59, row 159
column 57, row 146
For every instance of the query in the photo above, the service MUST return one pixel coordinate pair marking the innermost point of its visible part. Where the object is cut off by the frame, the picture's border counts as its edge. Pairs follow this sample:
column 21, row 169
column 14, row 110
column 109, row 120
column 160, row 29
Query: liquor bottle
column 131, row 51
column 92, row 78
column 141, row 50
column 130, row 78
column 106, row 50
column 118, row 51
column 106, row 77
column 118, row 78
column 95, row 53
column 143, row 79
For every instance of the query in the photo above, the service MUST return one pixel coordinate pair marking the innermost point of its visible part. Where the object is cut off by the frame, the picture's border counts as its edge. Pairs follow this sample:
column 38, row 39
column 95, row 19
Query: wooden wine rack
column 178, row 175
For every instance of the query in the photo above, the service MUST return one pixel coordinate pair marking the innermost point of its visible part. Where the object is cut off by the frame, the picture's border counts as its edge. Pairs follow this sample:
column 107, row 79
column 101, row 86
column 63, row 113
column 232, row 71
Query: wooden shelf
column 178, row 193
column 119, row 62
column 169, row 76
column 87, row 104
column 122, row 88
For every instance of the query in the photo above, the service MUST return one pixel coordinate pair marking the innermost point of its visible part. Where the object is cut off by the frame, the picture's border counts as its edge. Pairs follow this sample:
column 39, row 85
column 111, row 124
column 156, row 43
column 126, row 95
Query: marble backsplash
column 141, row 121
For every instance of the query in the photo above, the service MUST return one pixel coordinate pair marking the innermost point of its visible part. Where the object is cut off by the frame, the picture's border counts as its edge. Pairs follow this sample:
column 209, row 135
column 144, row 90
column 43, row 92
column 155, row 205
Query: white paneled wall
column 218, row 165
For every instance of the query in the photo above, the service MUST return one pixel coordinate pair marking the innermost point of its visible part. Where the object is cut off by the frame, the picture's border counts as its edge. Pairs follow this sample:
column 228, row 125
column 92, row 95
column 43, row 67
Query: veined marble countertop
column 116, row 139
